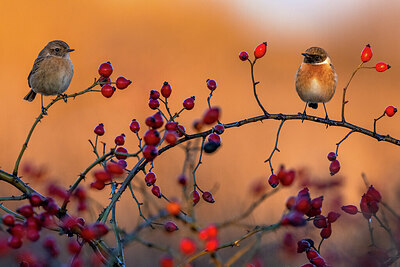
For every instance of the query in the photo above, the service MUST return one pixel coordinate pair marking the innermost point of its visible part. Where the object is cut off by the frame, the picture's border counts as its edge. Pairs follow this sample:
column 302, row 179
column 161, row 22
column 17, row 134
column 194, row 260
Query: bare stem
column 344, row 102
column 254, row 87
column 338, row 144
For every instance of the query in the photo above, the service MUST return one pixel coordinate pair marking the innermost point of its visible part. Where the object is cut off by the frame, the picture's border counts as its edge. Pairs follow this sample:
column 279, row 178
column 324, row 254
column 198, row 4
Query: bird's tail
column 30, row 96
column 313, row 105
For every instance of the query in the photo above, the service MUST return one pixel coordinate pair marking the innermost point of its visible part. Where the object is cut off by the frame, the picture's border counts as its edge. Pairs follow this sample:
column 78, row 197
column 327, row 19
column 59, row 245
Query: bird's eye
column 57, row 49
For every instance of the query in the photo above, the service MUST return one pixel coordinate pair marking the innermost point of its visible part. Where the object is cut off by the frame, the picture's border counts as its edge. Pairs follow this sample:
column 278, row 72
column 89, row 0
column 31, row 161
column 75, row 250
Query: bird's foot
column 44, row 111
column 303, row 116
column 327, row 121
column 64, row 97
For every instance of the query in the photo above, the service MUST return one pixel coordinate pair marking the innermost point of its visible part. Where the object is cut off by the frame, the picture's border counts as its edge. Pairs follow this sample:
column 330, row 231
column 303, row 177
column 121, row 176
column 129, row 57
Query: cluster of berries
column 107, row 90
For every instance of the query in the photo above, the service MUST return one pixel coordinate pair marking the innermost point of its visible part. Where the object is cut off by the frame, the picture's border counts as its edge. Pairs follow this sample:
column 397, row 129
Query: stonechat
column 52, row 71
column 316, row 78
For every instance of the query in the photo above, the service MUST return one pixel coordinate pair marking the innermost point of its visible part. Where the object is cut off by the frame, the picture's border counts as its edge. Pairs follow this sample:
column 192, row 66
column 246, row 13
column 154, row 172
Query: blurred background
column 186, row 43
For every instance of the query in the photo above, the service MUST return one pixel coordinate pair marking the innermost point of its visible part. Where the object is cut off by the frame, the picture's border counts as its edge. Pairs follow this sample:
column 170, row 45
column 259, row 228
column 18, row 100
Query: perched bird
column 52, row 71
column 316, row 78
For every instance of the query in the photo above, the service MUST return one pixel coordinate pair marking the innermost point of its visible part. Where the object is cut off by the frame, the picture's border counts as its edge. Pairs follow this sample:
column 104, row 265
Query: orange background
column 185, row 43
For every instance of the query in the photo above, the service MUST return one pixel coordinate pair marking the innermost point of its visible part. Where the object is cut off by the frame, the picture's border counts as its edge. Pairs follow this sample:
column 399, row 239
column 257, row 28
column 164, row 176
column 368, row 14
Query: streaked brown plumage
column 316, row 78
column 52, row 71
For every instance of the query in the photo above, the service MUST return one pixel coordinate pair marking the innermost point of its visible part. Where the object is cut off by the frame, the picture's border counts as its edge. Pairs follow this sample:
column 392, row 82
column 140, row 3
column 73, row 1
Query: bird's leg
column 64, row 96
column 326, row 116
column 44, row 110
column 303, row 116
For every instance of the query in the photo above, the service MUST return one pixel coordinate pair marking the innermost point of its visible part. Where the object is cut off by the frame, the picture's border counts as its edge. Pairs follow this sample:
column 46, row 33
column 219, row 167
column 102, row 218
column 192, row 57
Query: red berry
column 211, row 115
column 390, row 111
column 187, row 246
column 150, row 152
column 121, row 149
column 152, row 137
column 290, row 202
column 154, row 94
column 302, row 204
column 316, row 203
column 170, row 227
column 122, row 82
column 120, row 140
column 311, row 254
column 318, row 262
column 243, row 56
column 182, row 180
column 88, row 234
column 211, row 84
column 320, row 221
column 180, row 130
column 99, row 130
column 102, row 176
column 334, row 167
column 35, row 200
column 115, row 168
column 373, row 194
column 188, row 103
column 195, row 196
column 303, row 245
column 214, row 138
column 260, row 50
column 156, row 191
column 100, row 229
column 331, row 156
column 32, row 234
column 171, row 126
column 8, row 219
column 288, row 178
column 171, row 137
column 105, row 69
column 99, row 185
column 134, row 126
column 154, row 103
column 381, row 66
column 212, row 231
column 219, row 129
column 332, row 216
column 107, row 90
column 167, row 261
column 150, row 178
column 366, row 54
column 158, row 120
column 208, row 197
column 212, row 244
column 26, row 211
column 166, row 90
column 350, row 209
column 17, row 230
column 197, row 125
column 14, row 242
column 326, row 232
column 273, row 180
column 104, row 80
column 74, row 247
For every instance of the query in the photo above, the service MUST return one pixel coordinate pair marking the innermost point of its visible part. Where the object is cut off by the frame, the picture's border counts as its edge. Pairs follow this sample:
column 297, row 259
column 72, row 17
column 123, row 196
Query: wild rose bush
column 42, row 216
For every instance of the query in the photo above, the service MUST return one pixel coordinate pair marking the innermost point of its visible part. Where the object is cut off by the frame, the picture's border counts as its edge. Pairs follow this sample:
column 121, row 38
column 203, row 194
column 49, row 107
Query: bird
column 51, row 73
column 316, row 79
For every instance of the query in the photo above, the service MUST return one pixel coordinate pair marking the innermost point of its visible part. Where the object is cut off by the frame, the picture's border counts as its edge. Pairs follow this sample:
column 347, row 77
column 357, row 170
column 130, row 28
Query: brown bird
column 316, row 78
column 52, row 72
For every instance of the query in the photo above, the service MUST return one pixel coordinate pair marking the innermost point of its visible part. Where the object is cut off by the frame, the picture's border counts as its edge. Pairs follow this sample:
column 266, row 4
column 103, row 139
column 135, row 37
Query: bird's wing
column 35, row 67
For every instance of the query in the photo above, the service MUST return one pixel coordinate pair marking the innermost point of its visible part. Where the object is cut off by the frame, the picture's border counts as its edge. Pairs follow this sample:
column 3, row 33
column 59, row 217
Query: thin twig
column 344, row 102
column 254, row 86
column 338, row 144
column 275, row 147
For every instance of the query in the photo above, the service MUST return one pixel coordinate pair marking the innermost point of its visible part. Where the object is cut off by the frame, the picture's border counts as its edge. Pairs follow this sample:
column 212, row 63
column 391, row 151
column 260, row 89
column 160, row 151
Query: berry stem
column 113, row 221
column 319, row 246
column 254, row 86
column 275, row 147
column 139, row 204
column 209, row 99
column 41, row 115
column 198, row 164
column 344, row 102
column 375, row 120
column 338, row 144
column 7, row 210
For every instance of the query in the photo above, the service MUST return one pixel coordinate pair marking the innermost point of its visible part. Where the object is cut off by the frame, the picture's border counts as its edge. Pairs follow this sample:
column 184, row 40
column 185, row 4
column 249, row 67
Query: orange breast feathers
column 316, row 83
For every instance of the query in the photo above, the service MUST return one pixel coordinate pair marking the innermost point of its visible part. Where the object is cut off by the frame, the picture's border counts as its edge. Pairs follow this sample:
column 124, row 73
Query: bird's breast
column 316, row 83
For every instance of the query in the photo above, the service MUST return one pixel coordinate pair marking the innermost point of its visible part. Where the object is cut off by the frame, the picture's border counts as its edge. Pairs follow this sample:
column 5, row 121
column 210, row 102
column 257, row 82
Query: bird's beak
column 70, row 50
column 304, row 54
